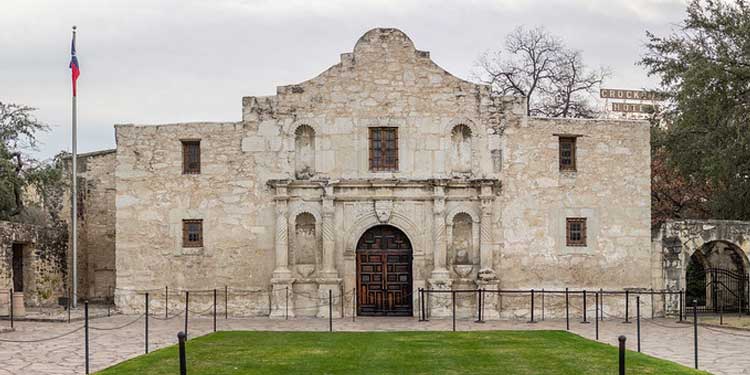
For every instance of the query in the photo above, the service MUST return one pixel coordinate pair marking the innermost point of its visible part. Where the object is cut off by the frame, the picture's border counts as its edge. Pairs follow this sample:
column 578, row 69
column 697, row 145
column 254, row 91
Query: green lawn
column 488, row 352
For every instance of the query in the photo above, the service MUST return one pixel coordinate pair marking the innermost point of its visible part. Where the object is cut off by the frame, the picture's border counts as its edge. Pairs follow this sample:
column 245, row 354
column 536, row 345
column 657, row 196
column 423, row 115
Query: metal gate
column 719, row 290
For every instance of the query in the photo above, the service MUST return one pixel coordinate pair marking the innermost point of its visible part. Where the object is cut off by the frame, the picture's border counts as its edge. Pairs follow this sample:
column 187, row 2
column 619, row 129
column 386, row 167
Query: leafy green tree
column 19, row 171
column 704, row 68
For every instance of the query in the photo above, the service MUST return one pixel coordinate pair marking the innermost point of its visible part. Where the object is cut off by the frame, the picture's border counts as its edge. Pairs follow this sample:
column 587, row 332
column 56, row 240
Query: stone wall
column 286, row 193
column 96, row 223
column 44, row 262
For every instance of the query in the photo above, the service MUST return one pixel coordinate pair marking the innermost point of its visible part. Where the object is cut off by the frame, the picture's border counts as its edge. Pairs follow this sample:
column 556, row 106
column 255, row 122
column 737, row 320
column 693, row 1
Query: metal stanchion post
column 627, row 307
column 166, row 302
column 585, row 320
column 181, row 337
column 601, row 304
column 286, row 305
column 567, row 311
column 680, row 306
column 68, row 305
column 621, row 339
column 542, row 304
column 354, row 304
column 695, row 331
column 330, row 312
column 596, row 317
column 86, row 334
column 10, row 294
column 187, row 303
column 145, row 333
column 226, row 302
column 453, row 299
column 214, row 309
column 532, row 307
column 638, row 320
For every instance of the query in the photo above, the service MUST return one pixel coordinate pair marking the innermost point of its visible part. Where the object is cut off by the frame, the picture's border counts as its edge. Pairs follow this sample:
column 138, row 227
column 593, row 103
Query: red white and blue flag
column 75, row 69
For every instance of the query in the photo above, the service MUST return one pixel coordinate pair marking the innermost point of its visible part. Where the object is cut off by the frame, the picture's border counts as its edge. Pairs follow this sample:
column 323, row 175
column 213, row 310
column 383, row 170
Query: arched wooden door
column 384, row 257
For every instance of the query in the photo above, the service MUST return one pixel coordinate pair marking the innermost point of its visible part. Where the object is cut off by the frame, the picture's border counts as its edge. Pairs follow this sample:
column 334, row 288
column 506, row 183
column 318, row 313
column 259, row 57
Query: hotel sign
column 634, row 108
column 630, row 94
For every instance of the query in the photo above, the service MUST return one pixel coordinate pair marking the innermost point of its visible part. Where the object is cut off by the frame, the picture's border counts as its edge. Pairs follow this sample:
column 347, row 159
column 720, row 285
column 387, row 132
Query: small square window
column 568, row 153
column 191, row 157
column 192, row 233
column 575, row 231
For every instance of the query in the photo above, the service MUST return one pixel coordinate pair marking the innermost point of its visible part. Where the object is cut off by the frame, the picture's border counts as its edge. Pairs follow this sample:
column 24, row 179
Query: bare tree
column 538, row 66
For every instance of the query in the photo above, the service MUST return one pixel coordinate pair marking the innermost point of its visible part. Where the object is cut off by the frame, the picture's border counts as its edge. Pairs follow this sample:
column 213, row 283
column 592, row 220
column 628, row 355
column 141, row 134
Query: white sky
column 186, row 60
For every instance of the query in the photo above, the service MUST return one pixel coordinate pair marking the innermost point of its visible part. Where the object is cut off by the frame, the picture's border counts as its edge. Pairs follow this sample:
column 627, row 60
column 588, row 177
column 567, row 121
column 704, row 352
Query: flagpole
column 74, row 196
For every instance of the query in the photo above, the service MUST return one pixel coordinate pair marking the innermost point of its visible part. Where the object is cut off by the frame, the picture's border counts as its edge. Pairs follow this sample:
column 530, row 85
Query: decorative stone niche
column 304, row 152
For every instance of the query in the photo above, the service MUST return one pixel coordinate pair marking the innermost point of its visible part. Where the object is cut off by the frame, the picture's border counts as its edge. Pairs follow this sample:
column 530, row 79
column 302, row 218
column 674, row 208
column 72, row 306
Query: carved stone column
column 281, row 279
column 438, row 232
column 439, row 303
column 329, row 266
column 329, row 276
column 486, row 235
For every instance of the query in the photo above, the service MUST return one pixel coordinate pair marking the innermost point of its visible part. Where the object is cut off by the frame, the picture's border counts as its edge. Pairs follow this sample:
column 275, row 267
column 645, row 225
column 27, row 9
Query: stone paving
column 721, row 351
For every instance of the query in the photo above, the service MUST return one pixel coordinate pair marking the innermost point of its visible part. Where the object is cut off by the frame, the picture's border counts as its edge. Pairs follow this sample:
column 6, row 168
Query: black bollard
column 621, row 339
column 453, row 299
column 86, row 334
column 166, row 302
column 585, row 320
column 532, row 307
column 680, row 306
column 226, row 302
column 596, row 317
column 695, row 331
column 214, row 309
column 638, row 321
column 567, row 311
column 330, row 312
column 181, row 337
column 11, row 308
column 627, row 308
column 145, row 334
column 187, row 303
column 286, row 305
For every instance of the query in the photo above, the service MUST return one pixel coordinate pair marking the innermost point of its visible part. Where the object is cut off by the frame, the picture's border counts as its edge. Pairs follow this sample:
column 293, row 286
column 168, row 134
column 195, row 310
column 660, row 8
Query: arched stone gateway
column 707, row 259
column 384, row 272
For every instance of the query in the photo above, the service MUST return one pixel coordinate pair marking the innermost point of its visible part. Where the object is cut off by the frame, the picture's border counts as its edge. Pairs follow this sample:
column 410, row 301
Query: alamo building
column 382, row 175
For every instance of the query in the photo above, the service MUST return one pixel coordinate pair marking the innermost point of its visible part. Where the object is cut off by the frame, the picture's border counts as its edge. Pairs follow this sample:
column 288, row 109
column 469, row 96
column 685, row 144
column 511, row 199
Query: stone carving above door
column 383, row 210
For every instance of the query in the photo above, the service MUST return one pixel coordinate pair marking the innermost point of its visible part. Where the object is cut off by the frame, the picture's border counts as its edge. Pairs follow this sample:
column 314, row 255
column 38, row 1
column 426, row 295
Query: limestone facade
column 96, row 223
column 286, row 193
column 40, row 254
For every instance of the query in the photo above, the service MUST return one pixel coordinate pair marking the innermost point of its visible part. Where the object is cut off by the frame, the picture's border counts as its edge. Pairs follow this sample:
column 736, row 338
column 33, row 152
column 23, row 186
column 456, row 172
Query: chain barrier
column 45, row 339
column 118, row 327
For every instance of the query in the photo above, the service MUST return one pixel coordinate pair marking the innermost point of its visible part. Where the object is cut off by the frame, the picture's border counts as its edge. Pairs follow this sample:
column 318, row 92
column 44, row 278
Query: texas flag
column 75, row 69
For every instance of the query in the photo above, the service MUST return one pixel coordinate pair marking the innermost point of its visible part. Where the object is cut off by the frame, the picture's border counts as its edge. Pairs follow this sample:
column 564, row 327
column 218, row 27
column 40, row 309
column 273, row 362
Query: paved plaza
column 722, row 351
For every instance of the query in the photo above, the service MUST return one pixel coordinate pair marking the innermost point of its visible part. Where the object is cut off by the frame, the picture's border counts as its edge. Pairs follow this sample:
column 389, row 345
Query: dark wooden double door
column 384, row 279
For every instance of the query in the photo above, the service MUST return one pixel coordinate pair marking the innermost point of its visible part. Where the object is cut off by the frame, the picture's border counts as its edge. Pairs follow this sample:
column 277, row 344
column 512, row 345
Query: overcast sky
column 153, row 62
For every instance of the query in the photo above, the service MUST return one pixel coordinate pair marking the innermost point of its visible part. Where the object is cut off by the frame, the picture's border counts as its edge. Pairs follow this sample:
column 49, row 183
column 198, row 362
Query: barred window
column 191, row 157
column 383, row 149
column 567, row 153
column 192, row 233
column 575, row 231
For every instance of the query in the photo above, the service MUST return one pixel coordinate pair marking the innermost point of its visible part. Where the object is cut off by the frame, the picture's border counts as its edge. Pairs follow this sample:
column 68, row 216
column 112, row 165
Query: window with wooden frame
column 383, row 149
column 192, row 233
column 191, row 156
column 568, row 153
column 575, row 231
